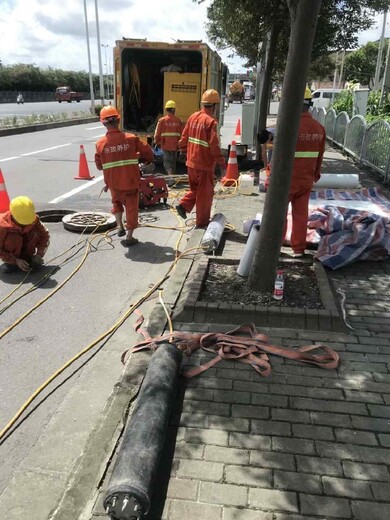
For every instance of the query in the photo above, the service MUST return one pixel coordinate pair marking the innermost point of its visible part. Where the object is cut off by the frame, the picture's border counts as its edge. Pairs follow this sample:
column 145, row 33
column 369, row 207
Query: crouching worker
column 117, row 155
column 23, row 238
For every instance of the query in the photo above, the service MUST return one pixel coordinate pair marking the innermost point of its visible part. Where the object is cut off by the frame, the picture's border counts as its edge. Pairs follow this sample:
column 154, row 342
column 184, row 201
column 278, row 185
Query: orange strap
column 244, row 344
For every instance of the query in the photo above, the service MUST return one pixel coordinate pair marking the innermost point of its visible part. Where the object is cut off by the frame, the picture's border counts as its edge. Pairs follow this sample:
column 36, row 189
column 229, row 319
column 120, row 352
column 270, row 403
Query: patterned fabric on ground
column 349, row 235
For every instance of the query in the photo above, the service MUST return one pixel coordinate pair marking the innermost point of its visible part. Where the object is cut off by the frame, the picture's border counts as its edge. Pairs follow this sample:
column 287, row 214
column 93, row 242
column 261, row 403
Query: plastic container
column 279, row 285
column 245, row 184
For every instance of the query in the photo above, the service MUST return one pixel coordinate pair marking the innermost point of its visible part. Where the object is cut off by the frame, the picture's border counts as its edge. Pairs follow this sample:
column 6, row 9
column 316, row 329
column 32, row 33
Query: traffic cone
column 231, row 176
column 238, row 129
column 83, row 167
column 4, row 199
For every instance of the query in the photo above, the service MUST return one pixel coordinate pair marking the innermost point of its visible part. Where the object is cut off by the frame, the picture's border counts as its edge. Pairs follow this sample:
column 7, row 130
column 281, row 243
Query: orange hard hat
column 210, row 97
column 108, row 113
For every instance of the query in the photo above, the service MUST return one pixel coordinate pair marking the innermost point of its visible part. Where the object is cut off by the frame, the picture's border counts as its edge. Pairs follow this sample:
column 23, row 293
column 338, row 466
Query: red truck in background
column 68, row 95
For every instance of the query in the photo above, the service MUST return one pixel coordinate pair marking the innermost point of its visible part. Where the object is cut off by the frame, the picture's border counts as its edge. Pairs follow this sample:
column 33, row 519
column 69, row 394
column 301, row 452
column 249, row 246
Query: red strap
column 244, row 344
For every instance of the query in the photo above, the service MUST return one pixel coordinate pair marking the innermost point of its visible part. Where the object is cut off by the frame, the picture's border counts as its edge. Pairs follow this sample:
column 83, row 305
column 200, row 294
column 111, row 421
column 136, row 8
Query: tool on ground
column 132, row 482
column 338, row 180
column 232, row 167
column 213, row 233
column 153, row 188
column 4, row 198
column 84, row 174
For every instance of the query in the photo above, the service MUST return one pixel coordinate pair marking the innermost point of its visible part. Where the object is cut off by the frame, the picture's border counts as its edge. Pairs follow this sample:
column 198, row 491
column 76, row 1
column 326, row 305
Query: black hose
column 129, row 491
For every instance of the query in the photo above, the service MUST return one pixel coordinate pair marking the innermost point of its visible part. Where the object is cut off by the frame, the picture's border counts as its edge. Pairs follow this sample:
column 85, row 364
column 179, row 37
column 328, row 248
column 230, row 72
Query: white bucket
column 245, row 184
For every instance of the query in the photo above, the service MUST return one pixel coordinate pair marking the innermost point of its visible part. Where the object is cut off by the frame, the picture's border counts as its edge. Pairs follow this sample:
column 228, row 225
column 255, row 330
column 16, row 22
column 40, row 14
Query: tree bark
column 267, row 80
column 303, row 14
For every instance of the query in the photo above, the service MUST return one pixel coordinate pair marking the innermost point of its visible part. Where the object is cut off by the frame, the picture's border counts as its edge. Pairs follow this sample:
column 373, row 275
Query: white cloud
column 47, row 33
column 374, row 33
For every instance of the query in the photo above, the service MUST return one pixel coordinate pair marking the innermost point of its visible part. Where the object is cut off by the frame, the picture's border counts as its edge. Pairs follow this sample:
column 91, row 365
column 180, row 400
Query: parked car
column 323, row 97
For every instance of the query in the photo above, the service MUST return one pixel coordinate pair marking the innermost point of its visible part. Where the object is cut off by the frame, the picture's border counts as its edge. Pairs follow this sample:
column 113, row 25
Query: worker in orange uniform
column 201, row 143
column 117, row 155
column 23, row 238
column 306, row 170
column 167, row 135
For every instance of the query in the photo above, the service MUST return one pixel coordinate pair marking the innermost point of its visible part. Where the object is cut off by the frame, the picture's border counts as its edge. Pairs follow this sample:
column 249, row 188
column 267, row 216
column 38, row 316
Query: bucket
column 245, row 184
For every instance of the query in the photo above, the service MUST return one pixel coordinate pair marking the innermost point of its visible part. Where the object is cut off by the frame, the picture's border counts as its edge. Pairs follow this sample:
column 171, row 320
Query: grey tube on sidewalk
column 130, row 488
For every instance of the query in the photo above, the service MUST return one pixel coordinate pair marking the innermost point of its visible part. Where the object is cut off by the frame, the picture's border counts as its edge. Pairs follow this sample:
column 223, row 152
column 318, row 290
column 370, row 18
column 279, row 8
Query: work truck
column 68, row 95
column 148, row 74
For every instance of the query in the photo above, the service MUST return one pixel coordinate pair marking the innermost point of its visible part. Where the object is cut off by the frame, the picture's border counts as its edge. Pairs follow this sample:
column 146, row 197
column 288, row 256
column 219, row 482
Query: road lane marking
column 45, row 150
column 76, row 190
column 94, row 128
column 8, row 159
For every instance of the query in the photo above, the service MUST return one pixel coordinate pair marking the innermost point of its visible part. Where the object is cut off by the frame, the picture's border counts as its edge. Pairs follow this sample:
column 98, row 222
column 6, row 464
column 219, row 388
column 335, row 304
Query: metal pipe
column 130, row 488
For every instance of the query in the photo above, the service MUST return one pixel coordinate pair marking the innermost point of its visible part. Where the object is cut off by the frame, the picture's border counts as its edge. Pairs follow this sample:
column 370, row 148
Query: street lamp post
column 107, row 83
column 89, row 60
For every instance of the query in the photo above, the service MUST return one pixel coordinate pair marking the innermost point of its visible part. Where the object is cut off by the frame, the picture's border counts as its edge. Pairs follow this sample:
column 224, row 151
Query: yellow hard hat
column 170, row 104
column 23, row 210
column 307, row 93
column 107, row 113
column 210, row 97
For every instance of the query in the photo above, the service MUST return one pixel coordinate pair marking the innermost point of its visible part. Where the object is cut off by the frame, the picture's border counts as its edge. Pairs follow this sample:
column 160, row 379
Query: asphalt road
column 42, row 165
column 49, row 107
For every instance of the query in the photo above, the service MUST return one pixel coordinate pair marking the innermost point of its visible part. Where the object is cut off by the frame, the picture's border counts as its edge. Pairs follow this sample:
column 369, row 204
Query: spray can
column 279, row 285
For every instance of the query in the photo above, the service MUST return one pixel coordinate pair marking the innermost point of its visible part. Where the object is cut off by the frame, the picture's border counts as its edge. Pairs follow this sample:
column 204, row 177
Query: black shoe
column 121, row 233
column 181, row 211
column 9, row 268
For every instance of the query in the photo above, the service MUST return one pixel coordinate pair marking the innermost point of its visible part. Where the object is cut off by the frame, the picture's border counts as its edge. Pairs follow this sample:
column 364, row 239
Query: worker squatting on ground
column 309, row 152
column 167, row 135
column 117, row 155
column 23, row 238
column 201, row 143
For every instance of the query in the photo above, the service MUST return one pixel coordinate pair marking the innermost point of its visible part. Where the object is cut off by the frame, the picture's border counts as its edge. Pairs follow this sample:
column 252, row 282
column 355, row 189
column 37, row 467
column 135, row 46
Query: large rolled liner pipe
column 129, row 491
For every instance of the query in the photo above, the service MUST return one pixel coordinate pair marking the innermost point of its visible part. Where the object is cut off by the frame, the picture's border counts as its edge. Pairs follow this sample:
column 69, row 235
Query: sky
column 49, row 33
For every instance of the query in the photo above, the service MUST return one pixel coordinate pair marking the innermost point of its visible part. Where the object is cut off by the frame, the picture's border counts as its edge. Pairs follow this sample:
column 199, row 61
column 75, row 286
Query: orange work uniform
column 306, row 170
column 21, row 241
column 200, row 141
column 168, row 132
column 117, row 155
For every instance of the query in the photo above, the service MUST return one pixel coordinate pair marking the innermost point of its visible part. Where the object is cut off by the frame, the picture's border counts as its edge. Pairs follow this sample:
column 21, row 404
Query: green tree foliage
column 29, row 77
column 360, row 65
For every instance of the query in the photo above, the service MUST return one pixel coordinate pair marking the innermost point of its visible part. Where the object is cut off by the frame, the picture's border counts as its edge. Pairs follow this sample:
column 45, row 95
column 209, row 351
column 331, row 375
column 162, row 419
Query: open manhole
column 54, row 215
column 87, row 222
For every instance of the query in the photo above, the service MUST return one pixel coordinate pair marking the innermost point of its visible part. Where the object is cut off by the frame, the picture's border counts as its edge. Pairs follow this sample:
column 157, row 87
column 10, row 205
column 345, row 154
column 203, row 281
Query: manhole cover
column 86, row 222
column 54, row 215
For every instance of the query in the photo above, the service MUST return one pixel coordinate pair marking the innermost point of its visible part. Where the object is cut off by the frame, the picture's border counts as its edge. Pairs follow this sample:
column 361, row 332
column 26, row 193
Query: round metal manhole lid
column 87, row 222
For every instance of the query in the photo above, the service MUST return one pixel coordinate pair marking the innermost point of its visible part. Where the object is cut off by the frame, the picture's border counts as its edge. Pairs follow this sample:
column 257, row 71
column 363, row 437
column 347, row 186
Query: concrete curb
column 46, row 126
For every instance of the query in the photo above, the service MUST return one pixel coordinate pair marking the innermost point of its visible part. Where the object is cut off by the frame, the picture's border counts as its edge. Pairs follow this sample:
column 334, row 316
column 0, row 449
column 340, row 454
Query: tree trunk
column 304, row 14
column 267, row 81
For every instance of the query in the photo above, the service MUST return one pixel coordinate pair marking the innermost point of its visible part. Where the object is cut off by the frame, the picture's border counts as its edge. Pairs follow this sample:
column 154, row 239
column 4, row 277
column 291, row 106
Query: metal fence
column 368, row 144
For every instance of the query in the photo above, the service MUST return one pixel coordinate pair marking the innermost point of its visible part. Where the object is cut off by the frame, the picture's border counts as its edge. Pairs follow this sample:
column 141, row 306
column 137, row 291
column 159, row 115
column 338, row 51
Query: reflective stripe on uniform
column 306, row 155
column 193, row 140
column 116, row 164
column 170, row 134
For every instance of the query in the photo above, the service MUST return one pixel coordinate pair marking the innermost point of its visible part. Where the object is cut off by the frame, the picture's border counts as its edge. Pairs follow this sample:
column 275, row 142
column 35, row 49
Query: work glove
column 105, row 189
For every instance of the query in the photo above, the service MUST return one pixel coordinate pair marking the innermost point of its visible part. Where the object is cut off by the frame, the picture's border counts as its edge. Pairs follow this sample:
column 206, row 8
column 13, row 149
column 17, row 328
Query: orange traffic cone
column 83, row 167
column 238, row 128
column 4, row 199
column 231, row 176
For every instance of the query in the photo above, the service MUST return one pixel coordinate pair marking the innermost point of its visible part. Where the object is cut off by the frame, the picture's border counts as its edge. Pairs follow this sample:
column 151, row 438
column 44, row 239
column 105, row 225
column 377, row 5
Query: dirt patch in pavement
column 223, row 285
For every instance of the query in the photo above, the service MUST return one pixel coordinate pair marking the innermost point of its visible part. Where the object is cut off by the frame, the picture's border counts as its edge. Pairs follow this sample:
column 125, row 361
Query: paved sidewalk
column 303, row 443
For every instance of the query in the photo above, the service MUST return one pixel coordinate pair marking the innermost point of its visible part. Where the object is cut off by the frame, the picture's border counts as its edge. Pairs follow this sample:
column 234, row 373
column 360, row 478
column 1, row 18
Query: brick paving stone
column 251, row 387
column 353, row 452
column 278, row 401
column 200, row 470
column 270, row 427
column 363, row 471
column 372, row 424
column 289, row 390
column 328, row 406
column 249, row 411
column 273, row 500
column 229, row 424
column 347, row 488
column 328, row 506
column 381, row 491
column 226, row 455
column 229, row 396
column 300, row 482
column 225, row 494
column 366, row 397
column 313, row 432
column 279, row 414
column 183, row 489
column 303, row 446
column 379, row 411
column 248, row 476
column 330, row 419
column 270, row 459
column 230, row 513
column 207, row 408
column 370, row 510
column 187, row 450
column 197, row 435
column 193, row 419
column 180, row 509
column 356, row 437
column 384, row 440
column 319, row 466
column 253, row 442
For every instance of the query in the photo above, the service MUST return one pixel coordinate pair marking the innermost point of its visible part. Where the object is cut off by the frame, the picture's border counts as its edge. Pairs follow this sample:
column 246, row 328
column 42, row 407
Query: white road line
column 76, row 190
column 94, row 128
column 8, row 159
column 45, row 150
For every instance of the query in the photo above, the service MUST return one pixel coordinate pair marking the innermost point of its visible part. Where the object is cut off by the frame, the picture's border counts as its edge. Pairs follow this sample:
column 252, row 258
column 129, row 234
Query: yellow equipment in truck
column 148, row 74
